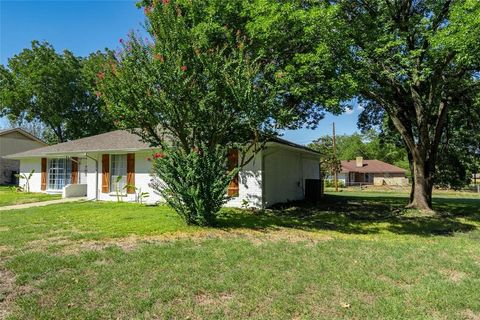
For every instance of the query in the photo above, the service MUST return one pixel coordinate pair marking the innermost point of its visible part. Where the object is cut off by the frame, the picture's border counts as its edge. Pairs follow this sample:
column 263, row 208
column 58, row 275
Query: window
column 59, row 173
column 118, row 168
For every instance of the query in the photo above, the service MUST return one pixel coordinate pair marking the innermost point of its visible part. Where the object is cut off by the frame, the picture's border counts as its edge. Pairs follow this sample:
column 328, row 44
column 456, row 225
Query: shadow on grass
column 358, row 214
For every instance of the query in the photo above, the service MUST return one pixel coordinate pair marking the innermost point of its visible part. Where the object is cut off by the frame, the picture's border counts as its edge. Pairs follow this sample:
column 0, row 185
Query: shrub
column 194, row 183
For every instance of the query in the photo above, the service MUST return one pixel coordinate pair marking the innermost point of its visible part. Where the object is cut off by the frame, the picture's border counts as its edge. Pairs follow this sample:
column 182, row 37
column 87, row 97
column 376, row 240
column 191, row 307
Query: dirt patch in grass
column 397, row 283
column 470, row 315
column 68, row 246
column 453, row 275
column 209, row 299
column 7, row 284
column 9, row 292
column 4, row 249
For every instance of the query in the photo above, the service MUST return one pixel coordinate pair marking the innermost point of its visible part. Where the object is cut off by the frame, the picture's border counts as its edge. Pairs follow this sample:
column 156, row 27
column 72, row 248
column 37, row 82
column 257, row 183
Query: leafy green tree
column 328, row 161
column 413, row 59
column 369, row 145
column 194, row 101
column 459, row 146
column 41, row 85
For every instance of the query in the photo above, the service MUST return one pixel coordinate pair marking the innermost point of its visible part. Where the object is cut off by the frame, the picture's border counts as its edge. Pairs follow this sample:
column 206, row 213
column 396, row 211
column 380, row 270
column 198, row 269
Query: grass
column 8, row 197
column 355, row 255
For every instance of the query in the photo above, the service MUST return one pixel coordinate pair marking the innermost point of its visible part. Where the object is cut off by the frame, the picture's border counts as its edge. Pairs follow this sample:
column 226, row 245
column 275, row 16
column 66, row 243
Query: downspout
column 96, row 175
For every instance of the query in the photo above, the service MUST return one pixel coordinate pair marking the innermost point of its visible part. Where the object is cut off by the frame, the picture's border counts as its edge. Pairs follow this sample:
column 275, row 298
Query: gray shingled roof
column 119, row 140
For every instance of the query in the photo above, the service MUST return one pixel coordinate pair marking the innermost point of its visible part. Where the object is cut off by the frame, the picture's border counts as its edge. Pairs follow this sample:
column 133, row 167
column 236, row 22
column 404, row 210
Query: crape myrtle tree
column 222, row 73
column 40, row 85
column 193, row 99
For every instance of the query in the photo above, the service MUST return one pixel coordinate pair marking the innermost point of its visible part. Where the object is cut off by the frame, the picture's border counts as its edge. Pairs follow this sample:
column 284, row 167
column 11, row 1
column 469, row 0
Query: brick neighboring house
column 14, row 141
column 374, row 172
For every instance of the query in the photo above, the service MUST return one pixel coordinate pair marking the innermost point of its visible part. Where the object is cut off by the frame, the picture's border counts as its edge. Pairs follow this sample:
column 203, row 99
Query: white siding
column 142, row 179
column 26, row 165
column 285, row 173
column 250, row 185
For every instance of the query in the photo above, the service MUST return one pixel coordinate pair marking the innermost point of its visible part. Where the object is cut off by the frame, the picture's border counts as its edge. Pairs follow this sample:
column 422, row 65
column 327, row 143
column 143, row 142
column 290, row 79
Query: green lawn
column 9, row 197
column 355, row 255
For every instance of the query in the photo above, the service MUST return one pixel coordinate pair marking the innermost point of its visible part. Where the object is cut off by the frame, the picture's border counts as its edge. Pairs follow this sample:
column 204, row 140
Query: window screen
column 59, row 173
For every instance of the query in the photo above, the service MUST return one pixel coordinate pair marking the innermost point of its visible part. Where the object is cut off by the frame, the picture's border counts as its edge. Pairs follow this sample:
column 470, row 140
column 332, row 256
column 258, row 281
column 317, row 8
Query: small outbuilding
column 281, row 172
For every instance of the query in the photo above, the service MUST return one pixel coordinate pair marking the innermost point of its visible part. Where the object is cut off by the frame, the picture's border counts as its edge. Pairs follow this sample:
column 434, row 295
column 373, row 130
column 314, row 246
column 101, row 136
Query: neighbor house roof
column 114, row 141
column 370, row 166
column 22, row 132
column 119, row 140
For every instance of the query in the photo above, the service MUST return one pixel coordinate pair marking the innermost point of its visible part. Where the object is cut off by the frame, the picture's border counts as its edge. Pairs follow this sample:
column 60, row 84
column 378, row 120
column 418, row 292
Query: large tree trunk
column 422, row 185
column 412, row 175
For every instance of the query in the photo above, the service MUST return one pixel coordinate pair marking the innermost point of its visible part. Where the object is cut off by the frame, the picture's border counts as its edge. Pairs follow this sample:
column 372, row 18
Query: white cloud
column 360, row 107
column 349, row 110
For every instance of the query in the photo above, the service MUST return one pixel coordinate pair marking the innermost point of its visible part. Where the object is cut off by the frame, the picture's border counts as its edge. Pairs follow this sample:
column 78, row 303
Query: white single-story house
column 280, row 172
column 371, row 172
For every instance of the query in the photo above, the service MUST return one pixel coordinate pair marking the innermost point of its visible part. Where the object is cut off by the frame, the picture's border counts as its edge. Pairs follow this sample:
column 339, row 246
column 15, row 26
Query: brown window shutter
column 233, row 187
column 131, row 172
column 43, row 180
column 105, row 173
column 74, row 170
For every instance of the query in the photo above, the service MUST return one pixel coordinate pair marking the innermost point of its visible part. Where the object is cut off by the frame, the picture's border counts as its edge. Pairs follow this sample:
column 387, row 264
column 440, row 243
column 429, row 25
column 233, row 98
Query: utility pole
column 335, row 159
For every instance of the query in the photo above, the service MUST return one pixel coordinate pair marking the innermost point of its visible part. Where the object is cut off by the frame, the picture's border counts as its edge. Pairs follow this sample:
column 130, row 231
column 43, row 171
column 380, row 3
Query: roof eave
column 73, row 153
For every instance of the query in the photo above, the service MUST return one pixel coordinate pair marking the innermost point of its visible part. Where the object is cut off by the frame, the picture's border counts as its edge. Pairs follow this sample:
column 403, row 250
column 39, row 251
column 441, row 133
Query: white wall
column 285, row 171
column 250, row 185
column 142, row 179
column 26, row 165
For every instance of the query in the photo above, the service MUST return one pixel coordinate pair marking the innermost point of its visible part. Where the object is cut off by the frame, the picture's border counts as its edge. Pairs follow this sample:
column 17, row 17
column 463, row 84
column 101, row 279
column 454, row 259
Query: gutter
column 96, row 175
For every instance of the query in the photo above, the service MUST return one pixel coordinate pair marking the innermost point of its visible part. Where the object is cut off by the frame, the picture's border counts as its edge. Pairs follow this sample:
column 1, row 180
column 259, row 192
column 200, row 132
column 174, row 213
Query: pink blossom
column 184, row 68
column 158, row 155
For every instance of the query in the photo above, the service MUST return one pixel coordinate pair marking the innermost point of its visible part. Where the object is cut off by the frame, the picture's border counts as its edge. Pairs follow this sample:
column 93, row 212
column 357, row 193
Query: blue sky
column 84, row 26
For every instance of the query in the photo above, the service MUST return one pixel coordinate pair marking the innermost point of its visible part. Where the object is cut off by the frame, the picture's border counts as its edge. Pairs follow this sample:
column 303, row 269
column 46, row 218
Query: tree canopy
column 55, row 89
column 413, row 60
